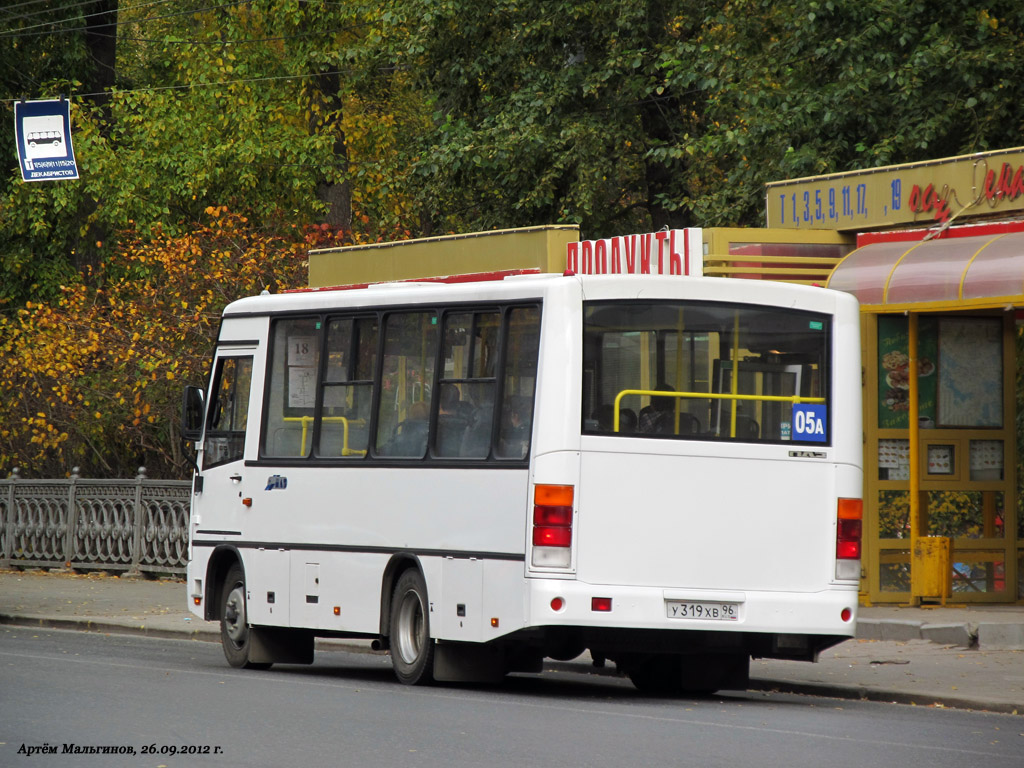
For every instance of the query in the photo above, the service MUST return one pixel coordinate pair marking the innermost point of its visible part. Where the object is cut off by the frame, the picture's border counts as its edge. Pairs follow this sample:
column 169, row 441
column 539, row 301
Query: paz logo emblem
column 276, row 481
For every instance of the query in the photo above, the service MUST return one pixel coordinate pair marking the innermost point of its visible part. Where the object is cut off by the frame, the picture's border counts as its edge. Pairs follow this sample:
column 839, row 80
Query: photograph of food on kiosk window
column 706, row 371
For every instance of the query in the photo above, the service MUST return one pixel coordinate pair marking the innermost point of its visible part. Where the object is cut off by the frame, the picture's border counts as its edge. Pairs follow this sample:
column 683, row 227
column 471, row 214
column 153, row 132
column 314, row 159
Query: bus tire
column 412, row 648
column 657, row 675
column 235, row 635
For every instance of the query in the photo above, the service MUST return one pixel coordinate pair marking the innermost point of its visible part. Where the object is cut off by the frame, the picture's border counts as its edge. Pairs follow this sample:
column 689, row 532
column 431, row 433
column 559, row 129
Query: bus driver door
column 221, row 504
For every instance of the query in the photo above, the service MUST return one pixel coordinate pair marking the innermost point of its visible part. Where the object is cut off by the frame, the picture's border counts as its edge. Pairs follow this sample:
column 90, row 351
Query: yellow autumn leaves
column 94, row 379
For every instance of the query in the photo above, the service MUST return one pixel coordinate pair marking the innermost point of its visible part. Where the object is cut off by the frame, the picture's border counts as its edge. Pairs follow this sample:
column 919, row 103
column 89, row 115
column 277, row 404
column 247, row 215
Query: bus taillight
column 552, row 526
column 848, row 535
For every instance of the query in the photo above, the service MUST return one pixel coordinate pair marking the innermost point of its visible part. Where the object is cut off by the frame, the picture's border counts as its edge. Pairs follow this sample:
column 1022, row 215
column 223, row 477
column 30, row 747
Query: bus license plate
column 688, row 609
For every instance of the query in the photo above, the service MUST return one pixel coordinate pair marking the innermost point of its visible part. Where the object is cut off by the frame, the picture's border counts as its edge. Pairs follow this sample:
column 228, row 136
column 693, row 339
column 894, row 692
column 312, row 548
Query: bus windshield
column 705, row 371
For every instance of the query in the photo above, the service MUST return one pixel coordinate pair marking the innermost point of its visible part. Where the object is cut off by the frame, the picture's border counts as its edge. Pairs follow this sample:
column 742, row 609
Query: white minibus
column 664, row 472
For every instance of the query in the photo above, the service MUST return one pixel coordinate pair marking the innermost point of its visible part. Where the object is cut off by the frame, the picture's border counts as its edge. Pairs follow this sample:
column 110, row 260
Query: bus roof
column 537, row 285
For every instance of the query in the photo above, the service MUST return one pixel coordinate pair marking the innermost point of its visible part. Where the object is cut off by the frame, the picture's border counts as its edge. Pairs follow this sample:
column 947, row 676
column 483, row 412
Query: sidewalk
column 971, row 658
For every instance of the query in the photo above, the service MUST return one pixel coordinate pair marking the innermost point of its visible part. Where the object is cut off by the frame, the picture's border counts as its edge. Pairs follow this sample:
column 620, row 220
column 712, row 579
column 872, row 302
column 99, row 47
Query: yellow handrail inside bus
column 735, row 372
column 710, row 396
column 344, row 421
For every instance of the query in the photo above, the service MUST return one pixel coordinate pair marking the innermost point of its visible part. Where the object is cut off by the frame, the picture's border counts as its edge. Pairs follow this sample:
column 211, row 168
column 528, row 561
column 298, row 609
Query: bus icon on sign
column 38, row 138
column 809, row 422
column 44, row 136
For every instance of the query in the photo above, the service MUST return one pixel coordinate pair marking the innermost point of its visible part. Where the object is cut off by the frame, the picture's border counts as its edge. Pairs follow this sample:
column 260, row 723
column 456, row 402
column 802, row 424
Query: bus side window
column 348, row 387
column 410, row 351
column 466, row 402
column 520, row 376
column 229, row 412
column 292, row 384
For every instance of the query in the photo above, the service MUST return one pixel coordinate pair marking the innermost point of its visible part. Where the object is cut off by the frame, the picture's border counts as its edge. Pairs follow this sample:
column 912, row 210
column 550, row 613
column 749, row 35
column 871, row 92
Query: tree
column 253, row 106
column 798, row 89
column 548, row 112
column 43, row 238
column 94, row 379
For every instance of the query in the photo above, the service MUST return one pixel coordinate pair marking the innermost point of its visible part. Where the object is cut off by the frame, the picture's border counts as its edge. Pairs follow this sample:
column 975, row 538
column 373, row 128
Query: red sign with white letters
column 668, row 252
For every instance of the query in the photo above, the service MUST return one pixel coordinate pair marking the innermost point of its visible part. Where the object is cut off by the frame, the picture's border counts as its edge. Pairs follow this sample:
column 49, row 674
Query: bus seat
column 450, row 431
column 627, row 420
column 688, row 424
column 663, row 422
column 410, row 440
column 476, row 440
column 747, row 428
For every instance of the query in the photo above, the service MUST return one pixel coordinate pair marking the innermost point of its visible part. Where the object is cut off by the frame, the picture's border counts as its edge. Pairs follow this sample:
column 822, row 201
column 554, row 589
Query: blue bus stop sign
column 42, row 130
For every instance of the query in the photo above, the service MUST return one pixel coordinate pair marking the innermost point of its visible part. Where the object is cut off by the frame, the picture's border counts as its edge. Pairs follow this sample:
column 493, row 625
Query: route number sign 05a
column 809, row 422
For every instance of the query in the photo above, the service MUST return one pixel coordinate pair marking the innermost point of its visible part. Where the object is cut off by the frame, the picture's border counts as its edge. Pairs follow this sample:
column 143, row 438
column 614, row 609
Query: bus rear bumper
column 794, row 625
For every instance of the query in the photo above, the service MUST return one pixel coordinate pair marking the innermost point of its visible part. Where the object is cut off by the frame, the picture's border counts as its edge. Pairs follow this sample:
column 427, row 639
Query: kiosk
column 939, row 272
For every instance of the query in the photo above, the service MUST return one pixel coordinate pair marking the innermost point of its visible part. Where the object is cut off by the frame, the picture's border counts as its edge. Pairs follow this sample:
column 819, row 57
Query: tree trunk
column 101, row 42
column 326, row 112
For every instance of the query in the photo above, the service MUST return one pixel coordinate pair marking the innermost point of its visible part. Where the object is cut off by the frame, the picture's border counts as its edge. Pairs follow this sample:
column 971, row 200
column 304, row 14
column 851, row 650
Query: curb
column 106, row 627
column 860, row 693
column 959, row 634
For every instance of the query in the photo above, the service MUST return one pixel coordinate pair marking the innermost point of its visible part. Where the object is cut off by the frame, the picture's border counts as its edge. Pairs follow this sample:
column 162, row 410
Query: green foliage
column 422, row 116
column 548, row 112
column 244, row 106
column 798, row 89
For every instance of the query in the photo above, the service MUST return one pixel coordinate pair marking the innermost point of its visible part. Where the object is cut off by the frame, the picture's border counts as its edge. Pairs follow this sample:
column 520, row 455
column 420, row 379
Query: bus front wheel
column 235, row 634
column 412, row 648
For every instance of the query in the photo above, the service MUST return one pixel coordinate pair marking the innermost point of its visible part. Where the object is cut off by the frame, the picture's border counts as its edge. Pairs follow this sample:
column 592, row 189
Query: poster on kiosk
column 43, row 133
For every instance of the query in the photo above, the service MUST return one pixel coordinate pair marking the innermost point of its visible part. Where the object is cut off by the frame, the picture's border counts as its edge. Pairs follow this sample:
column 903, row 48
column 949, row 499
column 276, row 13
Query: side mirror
column 193, row 410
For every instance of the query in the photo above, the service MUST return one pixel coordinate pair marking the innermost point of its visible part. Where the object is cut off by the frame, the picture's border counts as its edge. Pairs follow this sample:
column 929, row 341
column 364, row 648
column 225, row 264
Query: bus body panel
column 389, row 508
column 705, row 523
column 351, row 528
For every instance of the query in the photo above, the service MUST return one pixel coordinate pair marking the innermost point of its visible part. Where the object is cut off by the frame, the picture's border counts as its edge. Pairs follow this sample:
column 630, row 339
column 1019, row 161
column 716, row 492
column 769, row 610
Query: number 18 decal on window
column 809, row 422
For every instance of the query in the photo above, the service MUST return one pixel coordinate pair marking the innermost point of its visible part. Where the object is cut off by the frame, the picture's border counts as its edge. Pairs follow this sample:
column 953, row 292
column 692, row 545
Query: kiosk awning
column 950, row 269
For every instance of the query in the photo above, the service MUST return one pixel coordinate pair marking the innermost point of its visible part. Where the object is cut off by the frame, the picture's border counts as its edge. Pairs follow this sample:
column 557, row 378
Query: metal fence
column 137, row 526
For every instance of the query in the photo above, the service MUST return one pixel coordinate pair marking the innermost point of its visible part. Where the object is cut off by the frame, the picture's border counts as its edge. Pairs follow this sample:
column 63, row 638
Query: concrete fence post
column 72, row 519
column 8, row 522
column 140, row 523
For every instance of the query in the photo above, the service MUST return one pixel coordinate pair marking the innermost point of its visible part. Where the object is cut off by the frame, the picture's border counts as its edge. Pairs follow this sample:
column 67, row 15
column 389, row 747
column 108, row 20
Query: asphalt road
column 74, row 690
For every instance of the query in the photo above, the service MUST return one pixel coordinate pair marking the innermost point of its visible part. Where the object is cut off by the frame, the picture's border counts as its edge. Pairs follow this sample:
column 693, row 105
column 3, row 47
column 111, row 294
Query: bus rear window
column 706, row 371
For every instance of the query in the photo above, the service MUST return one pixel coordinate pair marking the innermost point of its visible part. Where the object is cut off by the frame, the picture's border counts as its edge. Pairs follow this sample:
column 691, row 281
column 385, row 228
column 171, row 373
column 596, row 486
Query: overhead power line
column 223, row 83
column 44, row 11
column 22, row 32
column 247, row 41
column 10, row 8
column 120, row 11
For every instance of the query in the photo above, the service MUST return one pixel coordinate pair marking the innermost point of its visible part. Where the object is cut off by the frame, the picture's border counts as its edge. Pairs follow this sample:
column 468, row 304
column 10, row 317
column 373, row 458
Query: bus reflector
column 848, row 538
column 602, row 604
column 552, row 526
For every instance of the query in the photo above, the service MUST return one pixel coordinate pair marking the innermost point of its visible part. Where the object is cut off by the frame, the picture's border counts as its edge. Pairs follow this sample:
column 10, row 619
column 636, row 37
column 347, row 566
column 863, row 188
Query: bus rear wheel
column 696, row 674
column 235, row 635
column 656, row 675
column 412, row 648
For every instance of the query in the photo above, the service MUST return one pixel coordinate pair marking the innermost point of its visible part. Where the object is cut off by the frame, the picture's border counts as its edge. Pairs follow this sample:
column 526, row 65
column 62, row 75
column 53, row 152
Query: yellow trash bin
column 930, row 576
